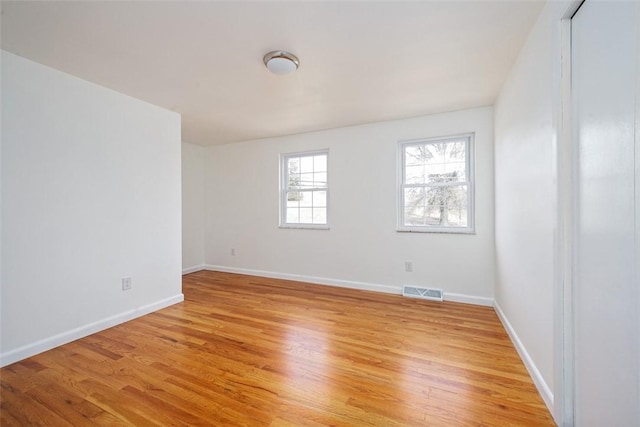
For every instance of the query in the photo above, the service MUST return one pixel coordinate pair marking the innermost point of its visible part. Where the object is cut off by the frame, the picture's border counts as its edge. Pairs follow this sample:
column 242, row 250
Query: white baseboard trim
column 37, row 347
column 468, row 299
column 193, row 269
column 541, row 385
column 309, row 279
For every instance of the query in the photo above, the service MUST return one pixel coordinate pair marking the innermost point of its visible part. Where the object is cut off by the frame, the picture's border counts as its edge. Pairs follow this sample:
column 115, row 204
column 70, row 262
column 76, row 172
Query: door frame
column 566, row 172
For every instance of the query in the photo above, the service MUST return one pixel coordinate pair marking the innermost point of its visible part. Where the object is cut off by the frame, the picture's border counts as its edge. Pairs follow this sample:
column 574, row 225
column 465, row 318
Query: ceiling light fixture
column 281, row 62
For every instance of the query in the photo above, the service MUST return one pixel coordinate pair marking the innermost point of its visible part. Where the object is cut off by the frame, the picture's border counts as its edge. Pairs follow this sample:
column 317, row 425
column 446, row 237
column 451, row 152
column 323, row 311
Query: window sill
column 436, row 230
column 304, row 226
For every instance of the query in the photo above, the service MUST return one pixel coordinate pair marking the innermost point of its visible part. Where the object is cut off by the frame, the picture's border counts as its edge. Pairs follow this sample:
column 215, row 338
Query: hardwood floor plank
column 254, row 351
column 68, row 406
column 31, row 414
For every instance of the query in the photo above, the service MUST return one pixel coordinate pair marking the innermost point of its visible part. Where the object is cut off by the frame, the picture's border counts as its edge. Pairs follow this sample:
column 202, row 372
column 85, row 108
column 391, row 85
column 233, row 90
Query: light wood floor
column 244, row 350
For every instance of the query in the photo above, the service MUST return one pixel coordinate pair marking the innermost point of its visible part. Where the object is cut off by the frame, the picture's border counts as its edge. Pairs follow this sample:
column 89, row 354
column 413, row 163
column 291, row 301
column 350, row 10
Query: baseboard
column 37, row 347
column 309, row 279
column 468, row 299
column 541, row 385
column 193, row 269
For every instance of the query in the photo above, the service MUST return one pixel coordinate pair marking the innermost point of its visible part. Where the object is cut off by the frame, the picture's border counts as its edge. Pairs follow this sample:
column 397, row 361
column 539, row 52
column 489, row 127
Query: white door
column 605, row 90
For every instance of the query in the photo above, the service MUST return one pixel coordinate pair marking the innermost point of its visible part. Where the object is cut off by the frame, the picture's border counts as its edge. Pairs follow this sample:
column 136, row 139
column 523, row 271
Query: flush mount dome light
column 281, row 62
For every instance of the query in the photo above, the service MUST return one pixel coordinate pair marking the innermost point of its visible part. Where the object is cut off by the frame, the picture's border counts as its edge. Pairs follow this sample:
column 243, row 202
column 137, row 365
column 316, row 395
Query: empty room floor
column 251, row 351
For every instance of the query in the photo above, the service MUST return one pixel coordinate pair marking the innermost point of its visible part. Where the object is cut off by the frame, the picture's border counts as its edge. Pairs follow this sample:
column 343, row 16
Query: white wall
column 192, row 207
column 90, row 194
column 606, row 89
column 362, row 248
column 525, row 198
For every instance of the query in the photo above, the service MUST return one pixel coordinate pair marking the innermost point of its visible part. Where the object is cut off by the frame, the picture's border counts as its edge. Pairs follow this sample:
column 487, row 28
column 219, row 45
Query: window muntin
column 436, row 183
column 304, row 190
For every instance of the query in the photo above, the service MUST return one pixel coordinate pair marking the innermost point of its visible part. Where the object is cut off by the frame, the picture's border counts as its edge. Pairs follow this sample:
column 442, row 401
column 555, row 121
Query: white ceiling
column 361, row 61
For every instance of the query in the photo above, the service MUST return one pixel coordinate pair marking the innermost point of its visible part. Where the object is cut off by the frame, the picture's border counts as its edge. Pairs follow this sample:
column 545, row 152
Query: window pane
column 320, row 179
column 292, row 215
column 456, row 151
column 414, row 205
column 455, row 195
column 293, row 165
column 414, row 174
column 435, row 162
column 456, row 216
column 455, row 171
column 320, row 163
column 433, row 169
column 306, row 180
column 412, row 156
column 320, row 215
column 294, row 180
column 306, row 199
column 445, row 206
column 319, row 199
column 306, row 164
column 293, row 198
column 306, row 216
column 456, row 202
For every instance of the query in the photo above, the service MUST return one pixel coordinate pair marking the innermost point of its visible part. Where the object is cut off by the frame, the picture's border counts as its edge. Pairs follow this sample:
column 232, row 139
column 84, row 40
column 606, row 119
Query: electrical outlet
column 408, row 266
column 126, row 283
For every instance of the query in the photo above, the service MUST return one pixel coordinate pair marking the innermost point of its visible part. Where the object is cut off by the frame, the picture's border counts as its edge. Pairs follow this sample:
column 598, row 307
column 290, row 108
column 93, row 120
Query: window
column 436, row 185
column 304, row 190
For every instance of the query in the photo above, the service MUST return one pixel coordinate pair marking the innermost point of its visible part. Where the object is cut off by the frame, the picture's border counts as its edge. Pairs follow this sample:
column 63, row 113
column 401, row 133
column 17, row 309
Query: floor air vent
column 424, row 293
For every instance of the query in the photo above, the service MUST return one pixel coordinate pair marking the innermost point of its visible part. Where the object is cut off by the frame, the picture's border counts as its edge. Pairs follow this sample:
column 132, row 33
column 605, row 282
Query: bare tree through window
column 436, row 183
column 304, row 189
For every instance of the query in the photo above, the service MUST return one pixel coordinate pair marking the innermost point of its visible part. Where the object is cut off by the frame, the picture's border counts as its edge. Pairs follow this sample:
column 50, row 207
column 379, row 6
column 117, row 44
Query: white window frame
column 284, row 189
column 469, row 157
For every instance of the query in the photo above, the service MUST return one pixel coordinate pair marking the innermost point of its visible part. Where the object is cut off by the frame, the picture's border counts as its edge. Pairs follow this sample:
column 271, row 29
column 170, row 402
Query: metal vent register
column 424, row 293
